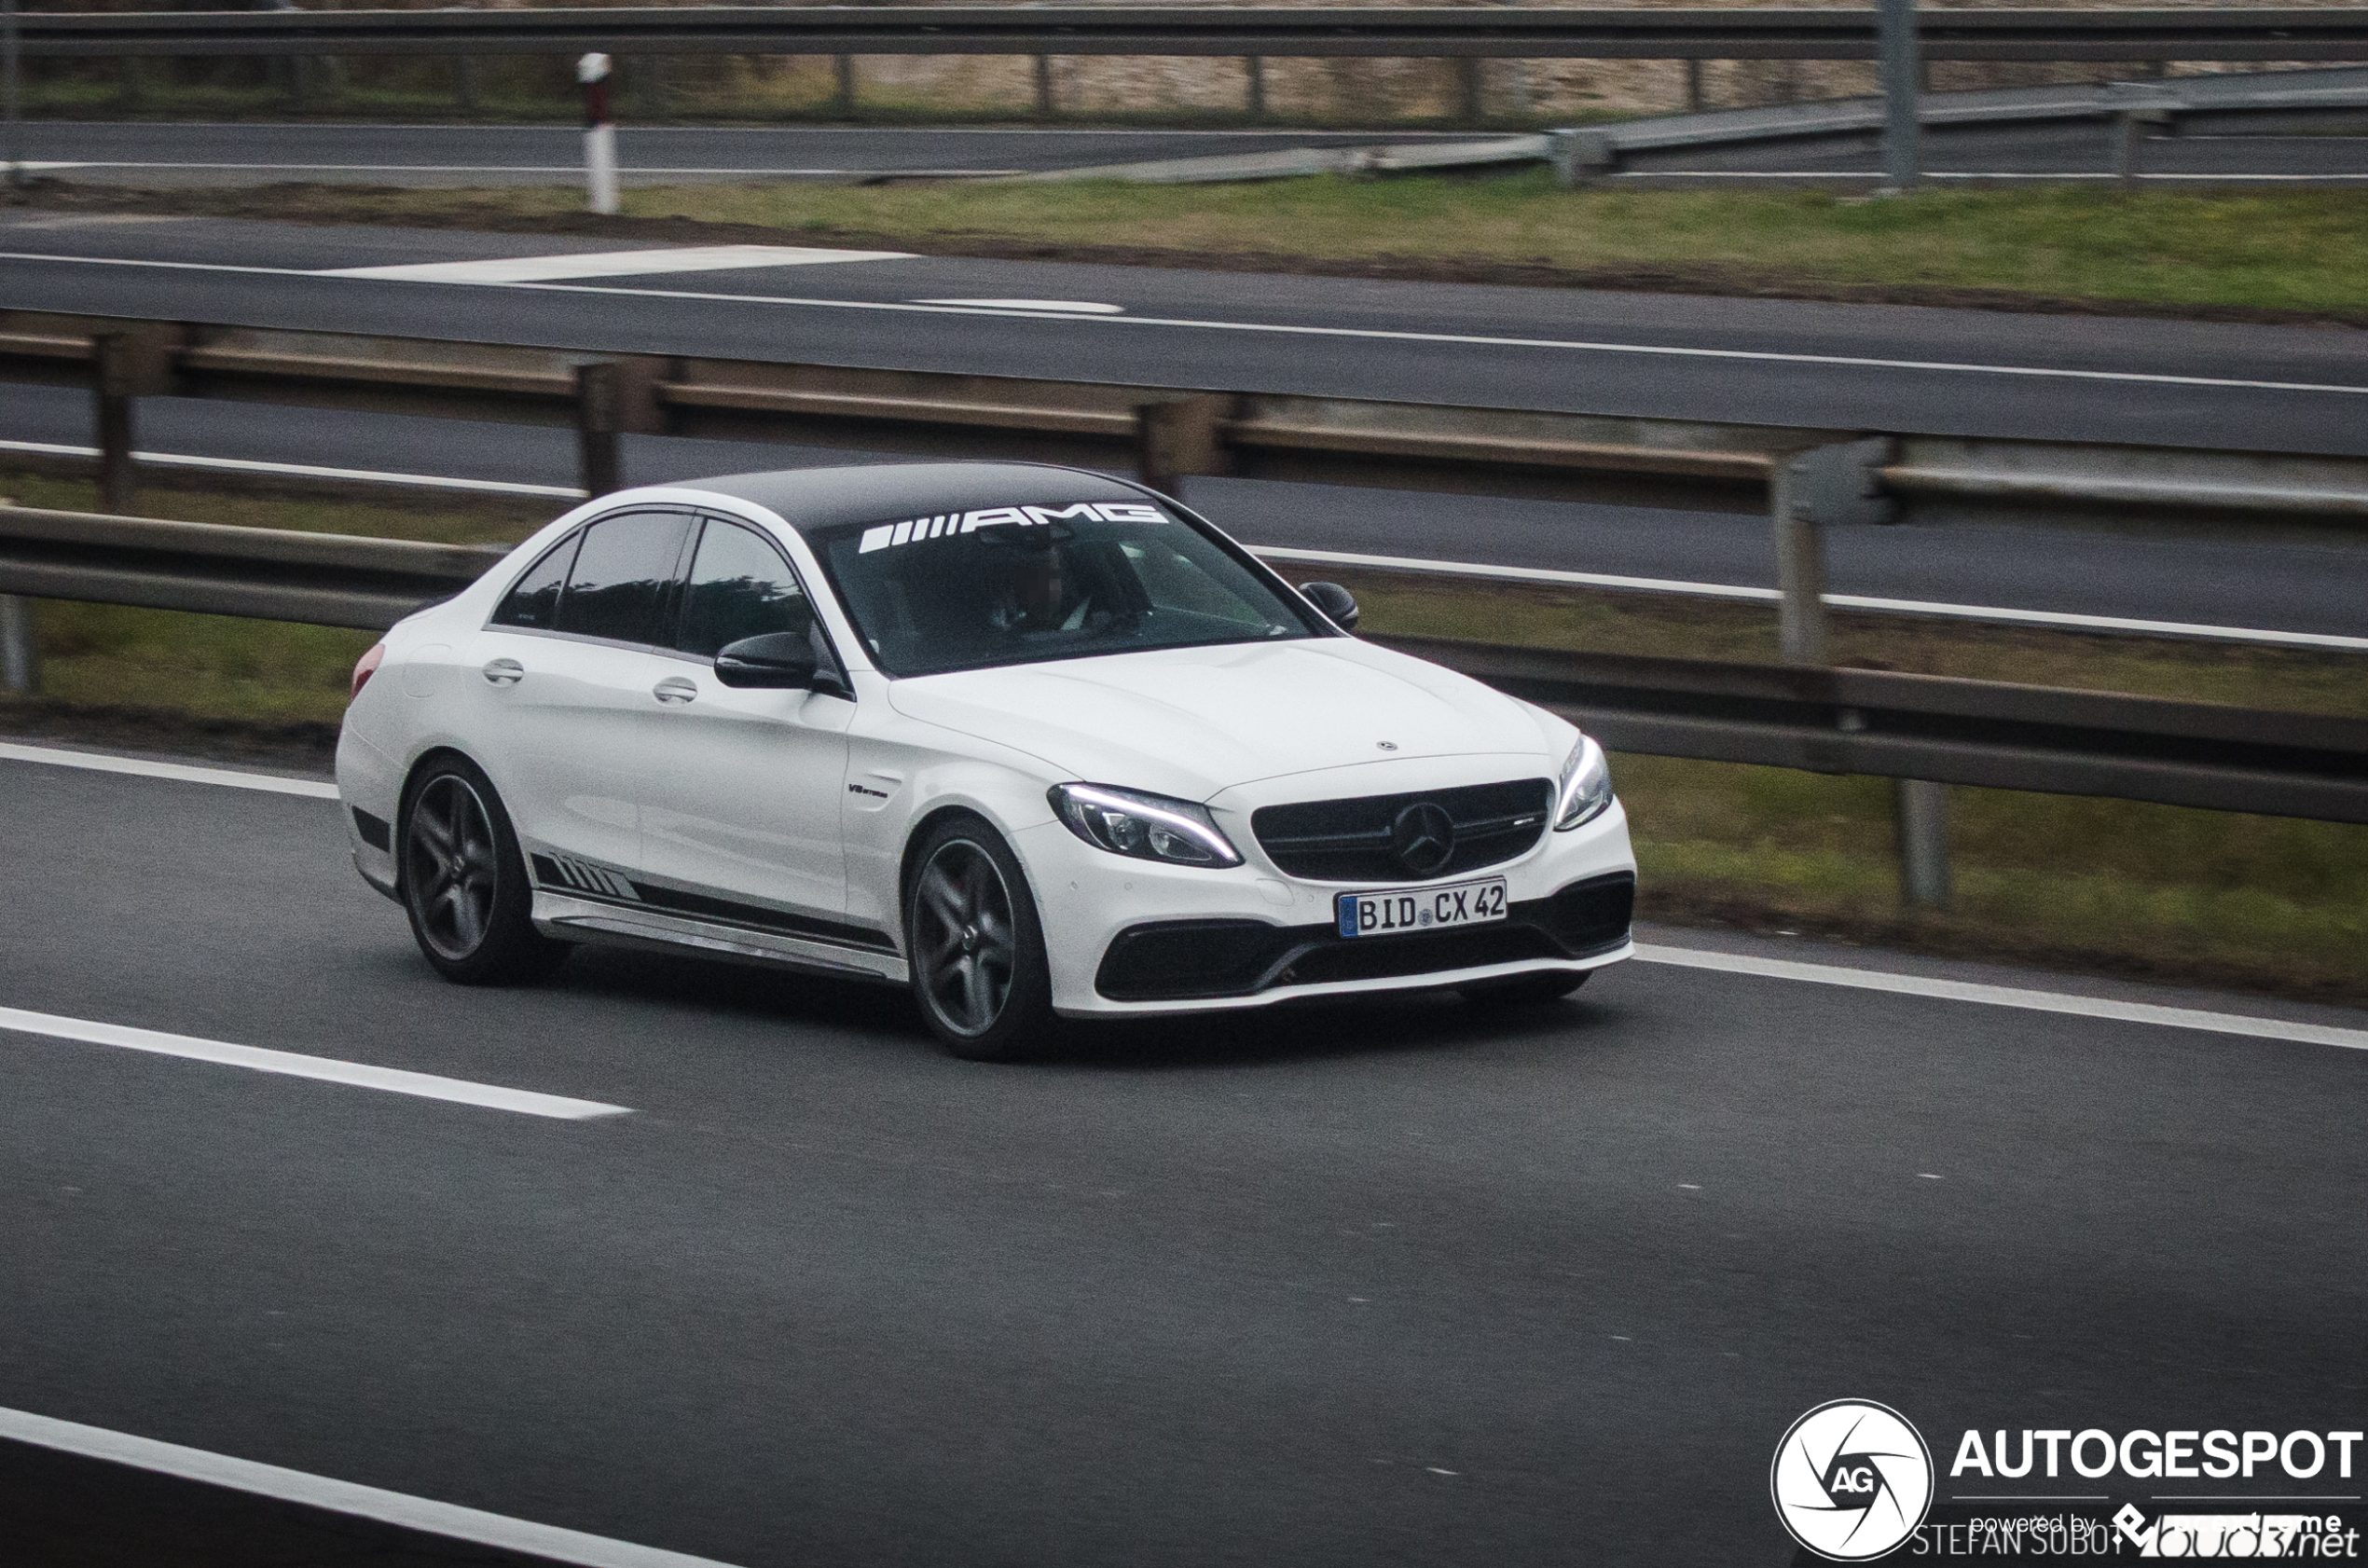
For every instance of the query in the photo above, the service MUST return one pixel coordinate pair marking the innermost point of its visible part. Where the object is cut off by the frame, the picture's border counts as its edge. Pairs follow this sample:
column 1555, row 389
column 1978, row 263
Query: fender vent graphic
column 557, row 871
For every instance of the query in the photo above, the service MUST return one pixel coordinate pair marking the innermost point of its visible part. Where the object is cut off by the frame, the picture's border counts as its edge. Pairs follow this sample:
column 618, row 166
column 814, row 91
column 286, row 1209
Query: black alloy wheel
column 976, row 949
column 464, row 883
column 1525, row 990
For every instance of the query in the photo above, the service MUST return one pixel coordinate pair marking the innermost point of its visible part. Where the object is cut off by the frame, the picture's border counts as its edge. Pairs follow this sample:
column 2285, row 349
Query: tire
column 975, row 945
column 1525, row 990
column 463, row 881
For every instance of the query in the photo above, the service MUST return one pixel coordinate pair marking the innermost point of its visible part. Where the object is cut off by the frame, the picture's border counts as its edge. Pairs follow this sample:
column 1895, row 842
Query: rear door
column 566, row 674
column 741, row 813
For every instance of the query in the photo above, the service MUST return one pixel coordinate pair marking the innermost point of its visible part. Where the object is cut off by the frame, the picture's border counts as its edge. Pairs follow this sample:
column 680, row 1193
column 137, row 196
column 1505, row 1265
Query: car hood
column 1192, row 721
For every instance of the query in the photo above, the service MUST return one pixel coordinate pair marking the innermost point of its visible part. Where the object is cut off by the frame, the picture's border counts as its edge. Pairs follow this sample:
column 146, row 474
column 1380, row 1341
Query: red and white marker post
column 600, row 132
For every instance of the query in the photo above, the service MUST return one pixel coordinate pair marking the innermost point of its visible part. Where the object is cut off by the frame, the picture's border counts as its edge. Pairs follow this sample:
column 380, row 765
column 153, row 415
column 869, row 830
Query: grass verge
column 2287, row 255
column 2155, row 892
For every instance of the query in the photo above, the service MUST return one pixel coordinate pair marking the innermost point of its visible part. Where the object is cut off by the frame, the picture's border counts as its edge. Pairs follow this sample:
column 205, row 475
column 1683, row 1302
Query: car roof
column 809, row 498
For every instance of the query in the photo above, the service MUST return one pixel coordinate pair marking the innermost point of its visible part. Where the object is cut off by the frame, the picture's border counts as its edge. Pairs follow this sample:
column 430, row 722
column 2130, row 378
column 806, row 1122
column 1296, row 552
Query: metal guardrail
column 1928, row 728
column 2220, row 33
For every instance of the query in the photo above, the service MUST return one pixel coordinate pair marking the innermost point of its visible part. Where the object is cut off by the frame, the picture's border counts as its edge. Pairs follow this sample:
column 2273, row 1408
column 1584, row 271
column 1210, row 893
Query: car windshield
column 1019, row 585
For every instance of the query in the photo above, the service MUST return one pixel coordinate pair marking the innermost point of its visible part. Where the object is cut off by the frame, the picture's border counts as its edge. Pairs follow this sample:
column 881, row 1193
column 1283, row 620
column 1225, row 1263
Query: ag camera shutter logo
column 1851, row 1480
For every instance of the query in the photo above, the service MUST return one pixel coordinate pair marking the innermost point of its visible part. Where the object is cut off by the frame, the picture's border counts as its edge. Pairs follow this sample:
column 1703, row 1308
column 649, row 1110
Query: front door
column 740, row 811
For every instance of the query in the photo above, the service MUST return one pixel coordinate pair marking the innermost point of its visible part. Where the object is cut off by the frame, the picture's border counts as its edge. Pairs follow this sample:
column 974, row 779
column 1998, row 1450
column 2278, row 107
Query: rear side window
column 739, row 586
column 535, row 600
column 621, row 576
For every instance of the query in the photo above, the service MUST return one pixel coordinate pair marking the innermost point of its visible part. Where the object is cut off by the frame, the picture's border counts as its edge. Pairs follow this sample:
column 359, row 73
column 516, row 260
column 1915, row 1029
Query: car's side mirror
column 779, row 658
column 1335, row 602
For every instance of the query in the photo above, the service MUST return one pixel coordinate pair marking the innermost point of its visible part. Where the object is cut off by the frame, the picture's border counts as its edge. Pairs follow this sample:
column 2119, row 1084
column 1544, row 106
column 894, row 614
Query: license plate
column 1421, row 909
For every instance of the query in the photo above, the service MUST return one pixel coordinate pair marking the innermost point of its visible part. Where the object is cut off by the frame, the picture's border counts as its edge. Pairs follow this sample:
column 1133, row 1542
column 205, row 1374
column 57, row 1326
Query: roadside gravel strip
column 1732, row 963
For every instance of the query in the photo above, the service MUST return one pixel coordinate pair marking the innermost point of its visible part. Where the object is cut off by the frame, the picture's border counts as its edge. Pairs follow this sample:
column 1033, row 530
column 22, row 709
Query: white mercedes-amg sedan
column 1032, row 740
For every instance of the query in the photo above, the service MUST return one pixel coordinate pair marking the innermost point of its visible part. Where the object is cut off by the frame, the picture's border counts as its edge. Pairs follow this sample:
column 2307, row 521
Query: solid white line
column 181, row 772
column 2008, row 995
column 1840, row 601
column 447, row 1520
column 304, row 470
column 1659, row 350
column 327, row 1069
column 613, row 264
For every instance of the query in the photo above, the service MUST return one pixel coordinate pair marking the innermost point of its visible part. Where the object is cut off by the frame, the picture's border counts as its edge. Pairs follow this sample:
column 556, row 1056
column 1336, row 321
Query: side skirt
column 572, row 920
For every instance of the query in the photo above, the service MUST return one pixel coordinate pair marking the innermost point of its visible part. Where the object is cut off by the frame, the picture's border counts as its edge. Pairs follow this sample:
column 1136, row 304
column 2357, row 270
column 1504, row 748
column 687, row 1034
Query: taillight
column 367, row 668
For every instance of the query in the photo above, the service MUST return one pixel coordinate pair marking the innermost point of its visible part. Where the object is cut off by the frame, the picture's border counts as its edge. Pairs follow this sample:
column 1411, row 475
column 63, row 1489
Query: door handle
column 503, row 672
column 676, row 688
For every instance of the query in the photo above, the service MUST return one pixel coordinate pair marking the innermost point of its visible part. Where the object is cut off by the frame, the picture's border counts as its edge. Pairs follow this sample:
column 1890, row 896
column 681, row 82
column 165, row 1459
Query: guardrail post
column 842, row 69
column 112, row 381
column 1581, row 156
column 598, row 420
column 2135, row 106
column 1825, row 484
column 1920, row 810
column 1178, row 438
column 466, row 96
column 19, row 661
column 1903, row 76
column 129, row 91
column 1469, row 105
column 1693, row 87
column 1801, row 574
column 613, row 398
column 1254, row 85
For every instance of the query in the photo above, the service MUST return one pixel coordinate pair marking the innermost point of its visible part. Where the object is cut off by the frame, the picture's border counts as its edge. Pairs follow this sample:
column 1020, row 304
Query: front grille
column 1179, row 960
column 1364, row 839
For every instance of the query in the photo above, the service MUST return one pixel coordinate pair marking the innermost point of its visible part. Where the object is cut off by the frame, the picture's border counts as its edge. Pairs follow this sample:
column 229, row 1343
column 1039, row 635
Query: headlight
column 1147, row 827
column 1585, row 789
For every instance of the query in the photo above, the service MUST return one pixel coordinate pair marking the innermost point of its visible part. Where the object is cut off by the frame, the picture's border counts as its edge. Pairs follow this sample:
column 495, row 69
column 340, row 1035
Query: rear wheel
column 1523, row 990
column 975, row 945
column 464, row 883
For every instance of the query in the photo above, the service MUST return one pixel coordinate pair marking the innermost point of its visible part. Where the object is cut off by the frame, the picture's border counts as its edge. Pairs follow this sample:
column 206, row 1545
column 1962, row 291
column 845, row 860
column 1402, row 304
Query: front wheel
column 975, row 945
column 1525, row 990
column 464, row 883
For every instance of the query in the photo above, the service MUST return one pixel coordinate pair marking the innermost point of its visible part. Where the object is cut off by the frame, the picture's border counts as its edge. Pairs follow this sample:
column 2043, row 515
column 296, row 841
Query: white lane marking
column 185, row 772
column 613, row 263
column 447, row 1519
column 1075, row 307
column 289, row 1064
column 2008, row 995
column 303, row 470
column 1840, row 601
column 1662, row 350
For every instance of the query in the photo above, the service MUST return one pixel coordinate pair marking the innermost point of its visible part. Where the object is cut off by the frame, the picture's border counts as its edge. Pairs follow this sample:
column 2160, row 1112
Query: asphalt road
column 1778, row 362
column 1404, row 1284
column 148, row 153
column 1748, row 360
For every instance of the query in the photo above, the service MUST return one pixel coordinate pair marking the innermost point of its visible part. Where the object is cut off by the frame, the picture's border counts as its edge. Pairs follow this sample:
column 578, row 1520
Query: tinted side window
column 739, row 586
column 536, row 597
column 620, row 577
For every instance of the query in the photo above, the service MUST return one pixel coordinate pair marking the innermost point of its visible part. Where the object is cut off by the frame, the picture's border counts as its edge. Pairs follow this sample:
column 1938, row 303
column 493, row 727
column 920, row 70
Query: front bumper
column 1127, row 937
